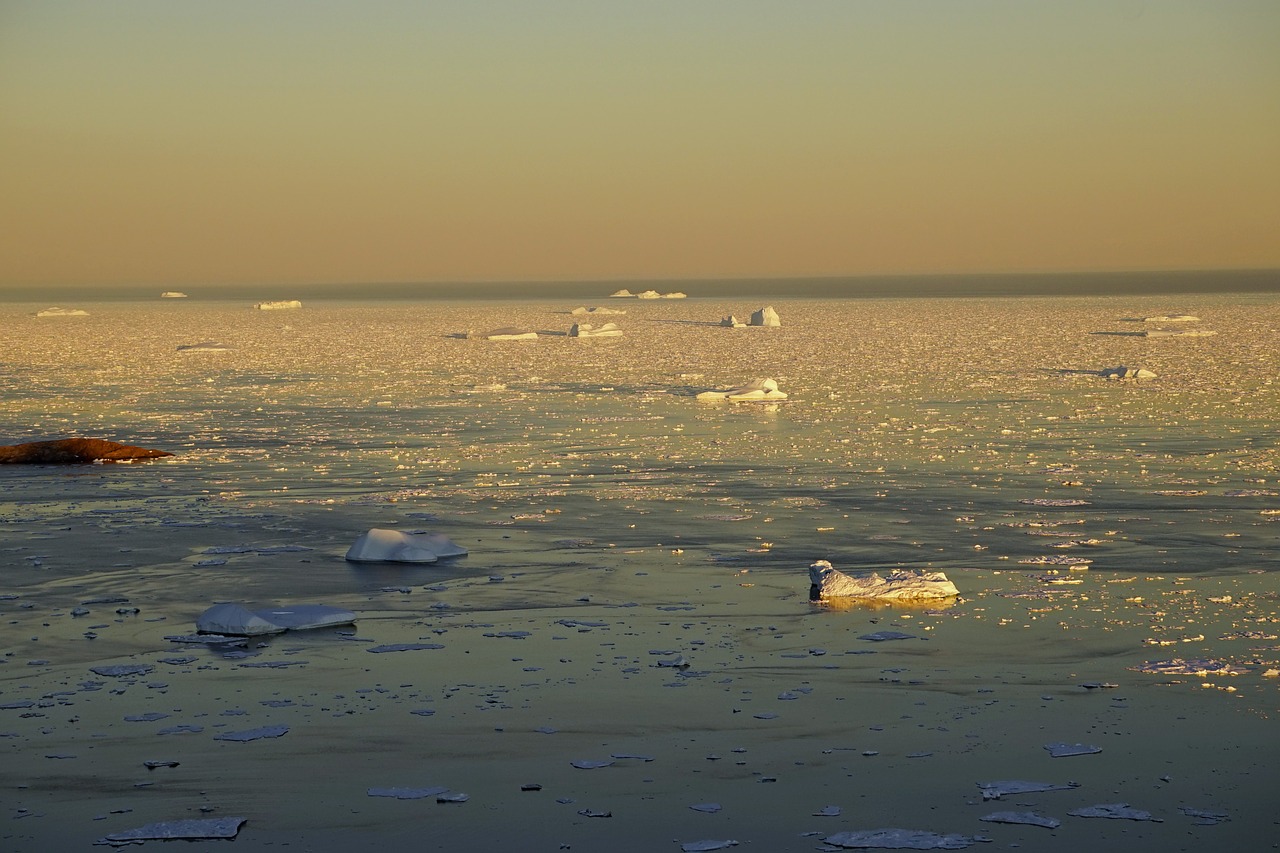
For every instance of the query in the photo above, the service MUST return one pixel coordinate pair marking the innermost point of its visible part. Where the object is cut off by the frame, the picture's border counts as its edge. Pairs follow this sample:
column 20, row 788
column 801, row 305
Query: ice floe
column 900, row 839
column 586, row 330
column 231, row 619
column 62, row 312
column 191, row 829
column 278, row 305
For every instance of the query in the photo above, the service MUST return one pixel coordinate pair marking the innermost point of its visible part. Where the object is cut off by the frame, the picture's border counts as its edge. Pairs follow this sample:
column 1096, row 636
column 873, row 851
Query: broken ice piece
column 1204, row 817
column 1118, row 811
column 1097, row 685
column 531, row 786
column 407, row 793
column 403, row 647
column 1063, row 750
column 121, row 670
column 704, row 846
column 900, row 839
column 594, row 813
column 152, row 765
column 190, row 830
column 588, row 764
column 996, row 790
column 253, row 734
column 393, row 546
column 1029, row 818
column 706, row 808
column 827, row 811
column 452, row 797
column 881, row 636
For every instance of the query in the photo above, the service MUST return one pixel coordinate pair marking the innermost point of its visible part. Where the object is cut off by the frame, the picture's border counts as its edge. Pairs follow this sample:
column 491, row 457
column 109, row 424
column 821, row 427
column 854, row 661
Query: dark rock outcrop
column 74, row 451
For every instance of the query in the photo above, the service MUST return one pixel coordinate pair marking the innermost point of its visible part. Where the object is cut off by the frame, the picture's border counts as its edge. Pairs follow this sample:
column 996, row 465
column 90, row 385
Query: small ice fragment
column 631, row 756
column 190, row 830
column 152, row 765
column 379, row 545
column 1203, row 817
column 900, row 839
column 881, row 636
column 453, row 797
column 1118, row 811
column 594, row 813
column 1063, row 750
column 407, row 793
column 404, row 647
column 253, row 734
column 707, row 808
column 1029, row 818
column 996, row 790
column 827, row 811
column 588, row 764
column 703, row 846
column 120, row 670
column 149, row 717
column 183, row 729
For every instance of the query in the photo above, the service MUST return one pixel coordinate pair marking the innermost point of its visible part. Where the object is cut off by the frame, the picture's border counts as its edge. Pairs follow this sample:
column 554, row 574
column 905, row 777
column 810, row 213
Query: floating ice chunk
column 173, row 294
column 732, row 322
column 996, row 790
column 1204, row 817
column 278, row 305
column 589, row 764
column 704, row 846
column 828, row 582
column 766, row 317
column 1117, row 811
column 900, row 839
column 254, row 734
column 881, row 636
column 1122, row 372
column 190, row 830
column 204, row 346
column 756, row 390
column 1028, row 818
column 586, row 330
column 408, row 793
column 706, row 808
column 1179, row 333
column 121, row 670
column 1172, row 318
column 649, row 294
column 578, row 312
column 621, row 294
column 404, row 647
column 379, row 545
column 62, row 312
column 1053, row 502
column 1178, row 666
column 1064, row 750
column 230, row 619
column 509, row 333
column 675, row 294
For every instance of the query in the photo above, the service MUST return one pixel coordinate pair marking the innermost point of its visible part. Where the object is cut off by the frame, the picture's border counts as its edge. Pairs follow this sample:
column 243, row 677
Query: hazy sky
column 191, row 142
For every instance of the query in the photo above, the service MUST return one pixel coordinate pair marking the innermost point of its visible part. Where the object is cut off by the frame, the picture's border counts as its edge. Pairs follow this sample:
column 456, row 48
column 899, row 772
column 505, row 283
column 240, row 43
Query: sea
column 1115, row 531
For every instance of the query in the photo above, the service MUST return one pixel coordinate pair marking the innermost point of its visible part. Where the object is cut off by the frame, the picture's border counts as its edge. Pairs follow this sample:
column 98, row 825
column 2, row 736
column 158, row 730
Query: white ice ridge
column 278, row 304
column 62, row 312
column 756, row 390
column 380, row 545
column 828, row 582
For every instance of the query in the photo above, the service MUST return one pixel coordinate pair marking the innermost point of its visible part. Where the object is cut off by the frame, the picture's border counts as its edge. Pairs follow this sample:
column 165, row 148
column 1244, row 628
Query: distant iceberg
column 173, row 294
column 675, row 294
column 649, row 294
column 766, row 317
column 621, row 294
column 278, row 305
column 1172, row 318
column 204, row 346
column 577, row 312
column 511, row 334
column 586, row 330
column 62, row 312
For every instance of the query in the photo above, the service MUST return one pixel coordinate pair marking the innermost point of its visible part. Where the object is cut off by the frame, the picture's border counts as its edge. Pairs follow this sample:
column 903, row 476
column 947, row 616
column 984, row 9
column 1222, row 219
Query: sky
column 195, row 143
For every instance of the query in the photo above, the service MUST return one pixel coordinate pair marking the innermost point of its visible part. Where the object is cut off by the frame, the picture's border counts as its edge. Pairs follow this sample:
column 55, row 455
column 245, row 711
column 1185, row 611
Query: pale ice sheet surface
column 608, row 516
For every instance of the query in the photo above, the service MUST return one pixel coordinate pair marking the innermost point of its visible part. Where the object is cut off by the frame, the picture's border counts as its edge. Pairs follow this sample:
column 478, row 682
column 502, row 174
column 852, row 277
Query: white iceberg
column 621, row 294
column 732, row 322
column 675, row 294
column 757, row 390
column 229, row 618
column 62, row 312
column 649, row 294
column 586, row 330
column 766, row 317
column 380, row 545
column 278, row 305
column 173, row 294
column 900, row 585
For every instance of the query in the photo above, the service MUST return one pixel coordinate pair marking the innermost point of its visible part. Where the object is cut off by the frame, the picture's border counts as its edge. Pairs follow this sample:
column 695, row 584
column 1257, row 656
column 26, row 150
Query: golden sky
column 289, row 141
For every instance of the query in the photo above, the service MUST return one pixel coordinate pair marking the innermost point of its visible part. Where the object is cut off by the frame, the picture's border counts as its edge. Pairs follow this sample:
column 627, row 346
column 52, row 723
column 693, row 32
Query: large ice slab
column 231, row 619
column 829, row 582
column 586, row 330
column 380, row 545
